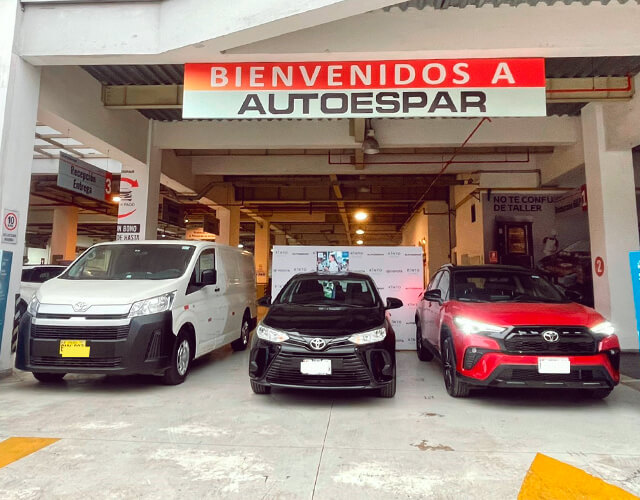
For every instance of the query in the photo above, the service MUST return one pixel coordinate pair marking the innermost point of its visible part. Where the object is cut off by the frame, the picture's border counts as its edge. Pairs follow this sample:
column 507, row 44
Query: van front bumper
column 143, row 346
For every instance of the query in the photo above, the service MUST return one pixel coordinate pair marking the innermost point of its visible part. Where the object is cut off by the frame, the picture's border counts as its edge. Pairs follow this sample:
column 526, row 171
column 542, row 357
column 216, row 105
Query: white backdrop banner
column 397, row 272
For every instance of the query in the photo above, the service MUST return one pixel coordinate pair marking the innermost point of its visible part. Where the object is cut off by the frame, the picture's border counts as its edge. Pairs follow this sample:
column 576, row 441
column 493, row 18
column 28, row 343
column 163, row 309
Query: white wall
column 469, row 235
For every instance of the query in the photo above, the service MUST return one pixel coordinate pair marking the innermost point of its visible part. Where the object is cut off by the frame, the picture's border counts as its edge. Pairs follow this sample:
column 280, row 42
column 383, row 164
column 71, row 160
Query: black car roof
column 489, row 267
column 320, row 274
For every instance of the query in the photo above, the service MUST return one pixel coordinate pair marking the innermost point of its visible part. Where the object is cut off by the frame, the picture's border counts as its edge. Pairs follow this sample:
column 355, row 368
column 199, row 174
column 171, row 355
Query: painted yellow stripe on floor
column 15, row 448
column 554, row 480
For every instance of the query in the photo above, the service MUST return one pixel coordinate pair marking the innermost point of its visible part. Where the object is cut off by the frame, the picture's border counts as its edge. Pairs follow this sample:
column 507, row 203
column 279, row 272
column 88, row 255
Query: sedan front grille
column 88, row 332
column 530, row 340
column 347, row 371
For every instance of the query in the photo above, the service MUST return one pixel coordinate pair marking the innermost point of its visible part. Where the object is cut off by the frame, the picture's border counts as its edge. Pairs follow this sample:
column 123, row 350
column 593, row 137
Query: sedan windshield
column 503, row 286
column 131, row 262
column 332, row 292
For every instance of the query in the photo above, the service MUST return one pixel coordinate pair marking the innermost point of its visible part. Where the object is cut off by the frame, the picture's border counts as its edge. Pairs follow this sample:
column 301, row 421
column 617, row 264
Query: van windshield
column 131, row 262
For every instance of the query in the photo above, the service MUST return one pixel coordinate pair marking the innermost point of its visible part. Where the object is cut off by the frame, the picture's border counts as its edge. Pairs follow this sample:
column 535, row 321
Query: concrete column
column 262, row 254
column 613, row 224
column 154, row 170
column 19, row 90
column 223, row 215
column 64, row 236
column 234, row 226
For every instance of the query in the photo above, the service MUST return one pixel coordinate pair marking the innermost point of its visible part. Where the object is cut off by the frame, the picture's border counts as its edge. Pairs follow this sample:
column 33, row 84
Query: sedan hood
column 102, row 292
column 528, row 314
column 324, row 320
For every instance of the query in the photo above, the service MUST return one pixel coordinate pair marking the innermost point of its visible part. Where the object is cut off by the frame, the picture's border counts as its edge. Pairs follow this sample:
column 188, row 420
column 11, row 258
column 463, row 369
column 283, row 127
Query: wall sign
column 598, row 264
column 10, row 220
column 397, row 272
column 5, row 274
column 365, row 89
column 132, row 210
column 83, row 178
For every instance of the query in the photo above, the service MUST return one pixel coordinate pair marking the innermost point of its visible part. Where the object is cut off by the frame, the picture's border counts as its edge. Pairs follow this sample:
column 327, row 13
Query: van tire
column 181, row 353
column 245, row 332
column 48, row 378
column 259, row 388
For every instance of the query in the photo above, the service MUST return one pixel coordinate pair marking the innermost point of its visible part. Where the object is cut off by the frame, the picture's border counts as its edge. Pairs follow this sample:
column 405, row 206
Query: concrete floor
column 212, row 437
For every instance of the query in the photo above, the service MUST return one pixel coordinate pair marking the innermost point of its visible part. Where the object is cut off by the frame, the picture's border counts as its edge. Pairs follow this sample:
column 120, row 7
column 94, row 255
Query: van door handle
column 216, row 289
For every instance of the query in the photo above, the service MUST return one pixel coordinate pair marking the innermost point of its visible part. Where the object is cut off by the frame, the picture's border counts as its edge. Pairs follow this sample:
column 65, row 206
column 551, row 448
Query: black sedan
column 325, row 331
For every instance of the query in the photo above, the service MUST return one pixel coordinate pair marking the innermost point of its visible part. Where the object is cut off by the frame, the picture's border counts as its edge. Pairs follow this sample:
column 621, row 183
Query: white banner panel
column 132, row 211
column 397, row 272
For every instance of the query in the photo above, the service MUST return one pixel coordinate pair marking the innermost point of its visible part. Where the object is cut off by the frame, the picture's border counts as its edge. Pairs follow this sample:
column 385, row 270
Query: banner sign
column 5, row 274
column 10, row 220
column 83, row 178
column 396, row 271
column 132, row 210
column 365, row 89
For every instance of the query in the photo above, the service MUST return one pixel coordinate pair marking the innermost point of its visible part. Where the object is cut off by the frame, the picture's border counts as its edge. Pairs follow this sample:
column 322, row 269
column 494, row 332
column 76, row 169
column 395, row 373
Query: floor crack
column 326, row 431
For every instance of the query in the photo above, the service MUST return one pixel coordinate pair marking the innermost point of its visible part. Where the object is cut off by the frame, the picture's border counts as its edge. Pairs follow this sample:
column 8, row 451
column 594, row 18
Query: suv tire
column 424, row 353
column 455, row 387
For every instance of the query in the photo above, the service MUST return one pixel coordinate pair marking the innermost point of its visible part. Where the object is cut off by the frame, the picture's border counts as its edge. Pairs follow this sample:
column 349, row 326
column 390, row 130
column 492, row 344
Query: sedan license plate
column 554, row 365
column 74, row 349
column 315, row 367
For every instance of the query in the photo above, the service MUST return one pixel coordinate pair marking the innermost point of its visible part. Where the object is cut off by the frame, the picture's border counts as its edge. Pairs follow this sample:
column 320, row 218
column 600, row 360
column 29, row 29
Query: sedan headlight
column 153, row 305
column 471, row 326
column 271, row 334
column 369, row 337
column 34, row 305
column 604, row 328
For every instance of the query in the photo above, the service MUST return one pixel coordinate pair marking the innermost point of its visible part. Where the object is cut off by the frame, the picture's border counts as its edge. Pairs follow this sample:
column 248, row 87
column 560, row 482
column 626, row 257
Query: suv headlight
column 34, row 305
column 604, row 328
column 153, row 305
column 369, row 337
column 271, row 334
column 471, row 326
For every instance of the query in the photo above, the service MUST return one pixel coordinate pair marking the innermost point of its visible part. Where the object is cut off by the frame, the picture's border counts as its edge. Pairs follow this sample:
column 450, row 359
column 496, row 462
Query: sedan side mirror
column 208, row 277
column 433, row 295
column 393, row 303
column 264, row 301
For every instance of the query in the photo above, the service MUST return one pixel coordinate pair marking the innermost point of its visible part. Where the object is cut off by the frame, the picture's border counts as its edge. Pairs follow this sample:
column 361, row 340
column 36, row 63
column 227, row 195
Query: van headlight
column 34, row 305
column 604, row 328
column 471, row 326
column 153, row 305
column 271, row 334
column 369, row 337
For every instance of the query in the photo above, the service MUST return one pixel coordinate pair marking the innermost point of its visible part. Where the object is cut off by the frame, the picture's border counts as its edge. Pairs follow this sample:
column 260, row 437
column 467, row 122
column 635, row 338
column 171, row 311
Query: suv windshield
column 503, row 286
column 350, row 292
column 131, row 262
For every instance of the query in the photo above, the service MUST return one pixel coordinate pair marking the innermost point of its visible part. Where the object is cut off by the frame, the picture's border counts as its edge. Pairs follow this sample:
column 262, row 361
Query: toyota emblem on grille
column 317, row 344
column 550, row 336
column 80, row 307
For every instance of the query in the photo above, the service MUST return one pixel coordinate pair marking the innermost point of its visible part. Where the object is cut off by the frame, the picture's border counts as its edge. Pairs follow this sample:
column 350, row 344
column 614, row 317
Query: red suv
column 509, row 327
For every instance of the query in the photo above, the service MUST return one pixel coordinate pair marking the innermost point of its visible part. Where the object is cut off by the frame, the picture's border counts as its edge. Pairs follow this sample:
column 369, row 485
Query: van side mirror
column 208, row 277
column 433, row 295
column 264, row 301
column 393, row 303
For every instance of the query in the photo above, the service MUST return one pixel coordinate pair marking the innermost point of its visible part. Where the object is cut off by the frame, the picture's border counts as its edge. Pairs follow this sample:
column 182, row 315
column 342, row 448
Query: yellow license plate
column 74, row 349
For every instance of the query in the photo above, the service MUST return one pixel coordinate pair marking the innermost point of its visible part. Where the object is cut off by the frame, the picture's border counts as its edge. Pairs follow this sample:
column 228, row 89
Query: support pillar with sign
column 613, row 225
column 19, row 92
column 262, row 254
column 64, row 236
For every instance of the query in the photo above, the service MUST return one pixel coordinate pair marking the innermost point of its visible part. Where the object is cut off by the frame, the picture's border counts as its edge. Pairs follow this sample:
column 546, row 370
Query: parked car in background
column 139, row 307
column 325, row 331
column 571, row 269
column 510, row 327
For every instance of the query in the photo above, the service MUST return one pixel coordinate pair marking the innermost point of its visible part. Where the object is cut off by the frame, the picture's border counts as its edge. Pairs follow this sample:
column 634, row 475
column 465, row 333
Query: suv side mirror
column 433, row 295
column 393, row 303
column 264, row 301
column 208, row 277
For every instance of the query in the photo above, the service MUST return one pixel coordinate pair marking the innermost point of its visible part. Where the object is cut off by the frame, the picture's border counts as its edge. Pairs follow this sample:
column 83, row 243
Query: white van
column 139, row 307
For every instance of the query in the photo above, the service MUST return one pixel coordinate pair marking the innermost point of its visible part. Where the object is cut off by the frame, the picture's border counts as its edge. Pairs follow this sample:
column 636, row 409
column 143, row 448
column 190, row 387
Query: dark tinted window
column 443, row 286
column 41, row 274
column 338, row 292
column 493, row 285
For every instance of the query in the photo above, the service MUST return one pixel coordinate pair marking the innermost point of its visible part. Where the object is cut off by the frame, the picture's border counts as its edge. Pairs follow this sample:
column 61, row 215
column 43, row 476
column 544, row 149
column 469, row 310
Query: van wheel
column 424, row 354
column 242, row 343
column 455, row 387
column 48, row 378
column 260, row 389
column 180, row 361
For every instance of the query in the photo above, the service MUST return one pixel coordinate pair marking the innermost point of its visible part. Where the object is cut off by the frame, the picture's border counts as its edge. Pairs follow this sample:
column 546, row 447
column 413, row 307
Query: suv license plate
column 315, row 366
column 554, row 365
column 74, row 349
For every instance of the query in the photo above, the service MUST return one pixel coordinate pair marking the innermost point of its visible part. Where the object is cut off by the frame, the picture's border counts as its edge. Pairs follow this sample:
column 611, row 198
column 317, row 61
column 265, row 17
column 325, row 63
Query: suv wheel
column 181, row 357
column 424, row 353
column 48, row 378
column 241, row 343
column 455, row 387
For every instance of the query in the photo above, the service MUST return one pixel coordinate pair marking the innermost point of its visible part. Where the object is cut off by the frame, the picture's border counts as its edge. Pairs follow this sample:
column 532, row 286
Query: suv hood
column 528, row 314
column 102, row 292
column 324, row 320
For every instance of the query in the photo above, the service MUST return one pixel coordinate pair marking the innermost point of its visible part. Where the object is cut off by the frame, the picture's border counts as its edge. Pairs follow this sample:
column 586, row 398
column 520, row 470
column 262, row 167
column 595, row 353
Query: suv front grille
column 529, row 340
column 88, row 332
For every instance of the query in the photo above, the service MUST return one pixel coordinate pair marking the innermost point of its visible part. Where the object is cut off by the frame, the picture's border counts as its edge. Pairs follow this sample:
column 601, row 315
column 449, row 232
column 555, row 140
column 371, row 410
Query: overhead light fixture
column 360, row 215
column 240, row 245
column 370, row 145
column 360, row 242
column 116, row 199
column 359, row 231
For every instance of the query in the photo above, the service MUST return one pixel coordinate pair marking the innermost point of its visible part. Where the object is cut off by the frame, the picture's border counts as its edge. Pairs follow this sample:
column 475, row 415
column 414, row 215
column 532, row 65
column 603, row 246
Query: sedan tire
column 259, row 388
